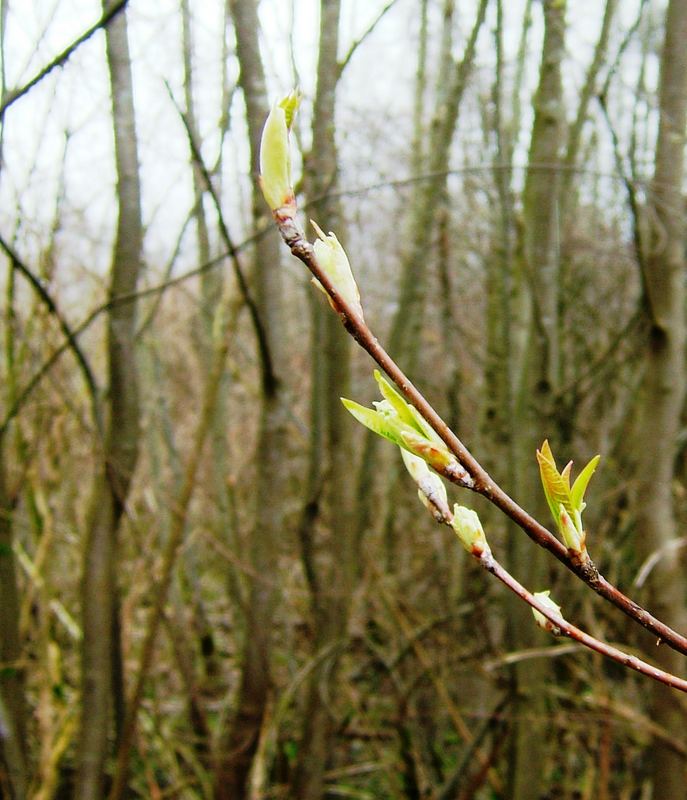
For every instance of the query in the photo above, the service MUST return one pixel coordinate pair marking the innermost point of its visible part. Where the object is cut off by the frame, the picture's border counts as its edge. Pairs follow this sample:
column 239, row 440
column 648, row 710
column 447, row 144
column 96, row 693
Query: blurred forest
column 213, row 583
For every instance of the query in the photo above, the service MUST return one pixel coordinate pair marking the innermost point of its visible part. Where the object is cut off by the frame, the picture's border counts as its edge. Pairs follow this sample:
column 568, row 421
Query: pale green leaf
column 275, row 160
column 290, row 105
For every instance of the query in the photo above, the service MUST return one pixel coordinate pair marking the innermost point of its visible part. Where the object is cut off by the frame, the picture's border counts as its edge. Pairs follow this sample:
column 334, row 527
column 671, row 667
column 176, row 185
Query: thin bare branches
column 267, row 368
column 356, row 44
column 62, row 57
column 70, row 336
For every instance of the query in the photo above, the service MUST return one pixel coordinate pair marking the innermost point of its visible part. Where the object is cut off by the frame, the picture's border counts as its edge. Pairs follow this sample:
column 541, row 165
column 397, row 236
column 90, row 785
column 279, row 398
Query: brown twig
column 564, row 628
column 482, row 483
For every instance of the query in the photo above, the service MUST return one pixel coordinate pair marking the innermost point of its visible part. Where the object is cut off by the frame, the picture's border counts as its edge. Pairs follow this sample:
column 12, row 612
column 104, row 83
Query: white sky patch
column 374, row 105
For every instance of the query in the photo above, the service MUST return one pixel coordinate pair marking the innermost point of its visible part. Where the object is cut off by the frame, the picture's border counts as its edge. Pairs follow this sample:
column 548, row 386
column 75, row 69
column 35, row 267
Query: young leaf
column 556, row 487
column 580, row 485
column 381, row 424
column 395, row 400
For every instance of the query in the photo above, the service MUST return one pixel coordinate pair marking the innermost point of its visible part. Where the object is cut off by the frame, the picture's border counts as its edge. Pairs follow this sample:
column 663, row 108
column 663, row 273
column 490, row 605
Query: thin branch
column 482, row 482
column 179, row 511
column 564, row 628
column 69, row 335
column 356, row 44
column 269, row 379
column 62, row 57
column 634, row 204
column 25, row 393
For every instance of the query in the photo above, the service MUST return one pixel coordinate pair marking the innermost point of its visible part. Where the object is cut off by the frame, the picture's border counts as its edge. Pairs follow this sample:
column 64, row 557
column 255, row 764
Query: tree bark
column 328, row 545
column 240, row 743
column 407, row 323
column 13, row 741
column 539, row 380
column 102, row 682
column 664, row 387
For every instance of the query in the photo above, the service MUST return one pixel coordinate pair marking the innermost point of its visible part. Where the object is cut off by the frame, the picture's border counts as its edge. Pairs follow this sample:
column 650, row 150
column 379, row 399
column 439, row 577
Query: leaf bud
column 469, row 530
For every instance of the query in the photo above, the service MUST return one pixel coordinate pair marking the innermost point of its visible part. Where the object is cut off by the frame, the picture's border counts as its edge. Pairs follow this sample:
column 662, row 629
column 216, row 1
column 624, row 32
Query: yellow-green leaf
column 290, row 105
column 556, row 487
column 395, row 400
column 580, row 485
column 376, row 422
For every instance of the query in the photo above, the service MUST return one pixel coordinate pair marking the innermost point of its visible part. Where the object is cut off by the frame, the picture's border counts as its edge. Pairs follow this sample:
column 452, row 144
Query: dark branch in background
column 633, row 202
column 269, row 379
column 483, row 483
column 69, row 335
column 62, row 57
column 213, row 263
column 356, row 44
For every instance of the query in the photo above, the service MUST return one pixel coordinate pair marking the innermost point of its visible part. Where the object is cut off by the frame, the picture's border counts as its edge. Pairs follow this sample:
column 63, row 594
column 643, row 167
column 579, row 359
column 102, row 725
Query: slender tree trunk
column 407, row 324
column 539, row 381
column 240, row 744
column 13, row 741
column 102, row 677
column 330, row 547
column 567, row 180
column 664, row 388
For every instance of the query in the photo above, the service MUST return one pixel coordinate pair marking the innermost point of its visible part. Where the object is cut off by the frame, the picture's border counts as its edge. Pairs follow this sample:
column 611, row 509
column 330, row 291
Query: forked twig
column 482, row 483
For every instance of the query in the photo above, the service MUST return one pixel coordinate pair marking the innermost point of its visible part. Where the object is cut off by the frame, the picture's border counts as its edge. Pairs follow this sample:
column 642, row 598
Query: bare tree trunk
column 13, row 751
column 240, row 744
column 102, row 681
column 589, row 89
column 407, row 323
column 13, row 754
column 538, row 386
column 664, row 388
column 328, row 545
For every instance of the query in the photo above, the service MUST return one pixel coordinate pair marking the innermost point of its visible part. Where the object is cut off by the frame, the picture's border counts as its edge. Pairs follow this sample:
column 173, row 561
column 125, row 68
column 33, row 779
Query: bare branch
column 70, row 336
column 564, row 628
column 267, row 368
column 62, row 57
column 356, row 44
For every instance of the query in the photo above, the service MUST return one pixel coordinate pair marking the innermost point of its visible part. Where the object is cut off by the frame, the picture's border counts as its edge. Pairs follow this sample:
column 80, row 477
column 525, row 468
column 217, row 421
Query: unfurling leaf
column 378, row 423
column 394, row 399
column 396, row 420
column 580, row 485
column 556, row 485
column 566, row 504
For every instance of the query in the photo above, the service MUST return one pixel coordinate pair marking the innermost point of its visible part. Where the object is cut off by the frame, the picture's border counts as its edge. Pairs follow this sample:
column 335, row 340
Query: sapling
column 406, row 418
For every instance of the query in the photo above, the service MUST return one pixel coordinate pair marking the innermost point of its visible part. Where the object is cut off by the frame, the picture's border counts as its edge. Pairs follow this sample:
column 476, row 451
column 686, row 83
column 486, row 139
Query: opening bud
column 275, row 157
column 545, row 600
column 469, row 530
